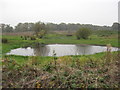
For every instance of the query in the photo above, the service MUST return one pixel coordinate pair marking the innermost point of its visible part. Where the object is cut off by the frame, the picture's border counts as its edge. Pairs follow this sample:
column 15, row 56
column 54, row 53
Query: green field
column 16, row 41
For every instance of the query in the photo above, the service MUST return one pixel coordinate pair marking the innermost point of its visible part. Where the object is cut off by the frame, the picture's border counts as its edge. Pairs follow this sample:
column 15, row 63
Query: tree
column 83, row 33
column 24, row 27
column 6, row 28
column 116, row 26
column 19, row 28
column 39, row 29
column 3, row 27
column 9, row 28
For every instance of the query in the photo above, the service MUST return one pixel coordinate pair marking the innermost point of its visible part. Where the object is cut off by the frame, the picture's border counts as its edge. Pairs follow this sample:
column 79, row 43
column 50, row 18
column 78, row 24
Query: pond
column 59, row 49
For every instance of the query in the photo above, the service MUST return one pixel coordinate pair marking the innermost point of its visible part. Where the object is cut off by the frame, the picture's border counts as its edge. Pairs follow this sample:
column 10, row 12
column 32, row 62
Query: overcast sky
column 97, row 12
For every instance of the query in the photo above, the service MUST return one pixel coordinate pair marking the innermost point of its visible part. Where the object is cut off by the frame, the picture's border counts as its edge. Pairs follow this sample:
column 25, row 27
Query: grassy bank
column 94, row 40
column 45, row 59
column 16, row 41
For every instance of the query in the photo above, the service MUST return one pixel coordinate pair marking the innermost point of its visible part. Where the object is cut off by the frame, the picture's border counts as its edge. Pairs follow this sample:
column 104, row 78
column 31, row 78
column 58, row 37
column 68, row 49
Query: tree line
column 24, row 27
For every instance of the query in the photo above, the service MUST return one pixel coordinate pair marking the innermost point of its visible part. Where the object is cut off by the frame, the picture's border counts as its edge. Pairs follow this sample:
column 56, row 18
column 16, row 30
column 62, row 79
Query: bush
column 42, row 33
column 4, row 40
column 83, row 33
column 32, row 38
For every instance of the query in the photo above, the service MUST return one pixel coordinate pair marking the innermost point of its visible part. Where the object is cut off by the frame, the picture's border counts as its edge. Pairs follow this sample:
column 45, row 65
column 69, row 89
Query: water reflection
column 83, row 49
column 89, row 49
column 60, row 50
column 41, row 50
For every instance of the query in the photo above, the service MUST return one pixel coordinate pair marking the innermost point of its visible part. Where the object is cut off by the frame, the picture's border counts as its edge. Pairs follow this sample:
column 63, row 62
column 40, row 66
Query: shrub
column 42, row 33
column 32, row 38
column 69, row 35
column 83, row 33
column 21, row 36
column 4, row 40
column 24, row 37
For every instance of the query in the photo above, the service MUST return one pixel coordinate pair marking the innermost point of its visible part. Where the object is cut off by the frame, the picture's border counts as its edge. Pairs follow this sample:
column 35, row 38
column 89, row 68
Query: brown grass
column 19, row 33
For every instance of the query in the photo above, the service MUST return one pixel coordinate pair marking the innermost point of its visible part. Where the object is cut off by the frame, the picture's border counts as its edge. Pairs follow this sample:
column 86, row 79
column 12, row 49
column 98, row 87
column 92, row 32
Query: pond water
column 59, row 49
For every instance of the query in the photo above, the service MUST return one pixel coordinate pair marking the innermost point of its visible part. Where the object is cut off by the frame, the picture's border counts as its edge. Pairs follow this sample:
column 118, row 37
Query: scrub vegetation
column 89, row 71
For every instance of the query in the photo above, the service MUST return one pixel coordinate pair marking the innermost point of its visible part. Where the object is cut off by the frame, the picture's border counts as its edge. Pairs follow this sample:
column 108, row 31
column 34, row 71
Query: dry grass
column 19, row 33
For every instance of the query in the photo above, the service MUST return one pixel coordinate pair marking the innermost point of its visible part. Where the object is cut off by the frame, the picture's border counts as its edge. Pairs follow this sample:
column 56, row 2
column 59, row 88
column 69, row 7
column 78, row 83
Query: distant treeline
column 24, row 27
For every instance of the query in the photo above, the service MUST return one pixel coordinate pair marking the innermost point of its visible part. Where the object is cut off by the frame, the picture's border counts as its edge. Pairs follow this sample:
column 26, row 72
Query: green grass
column 95, row 40
column 16, row 41
column 24, row 59
column 46, row 59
